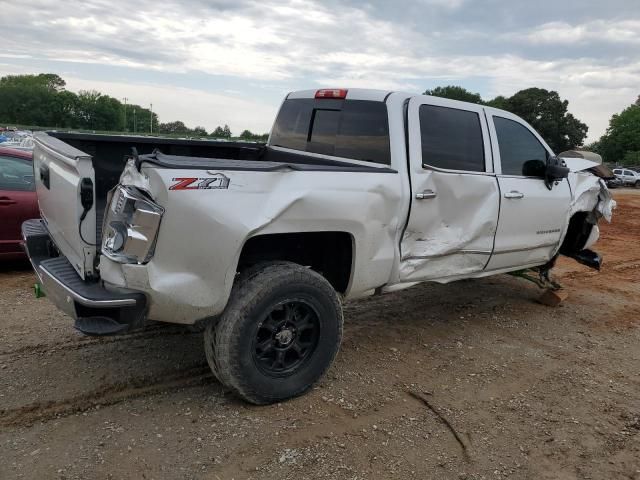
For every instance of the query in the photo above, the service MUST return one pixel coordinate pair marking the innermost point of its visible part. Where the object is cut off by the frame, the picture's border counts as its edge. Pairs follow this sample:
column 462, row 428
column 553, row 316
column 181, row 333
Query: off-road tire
column 637, row 184
column 229, row 342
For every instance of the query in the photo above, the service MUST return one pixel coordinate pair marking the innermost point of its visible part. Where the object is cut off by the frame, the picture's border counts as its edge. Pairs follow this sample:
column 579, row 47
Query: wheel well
column 577, row 234
column 328, row 253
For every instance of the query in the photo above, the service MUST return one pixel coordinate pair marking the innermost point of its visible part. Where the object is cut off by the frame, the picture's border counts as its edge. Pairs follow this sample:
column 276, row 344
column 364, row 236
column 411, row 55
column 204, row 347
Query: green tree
column 199, row 131
column 86, row 109
column 631, row 158
column 500, row 102
column 218, row 132
column 174, row 127
column 247, row 135
column 30, row 99
column 455, row 92
column 48, row 81
column 222, row 132
column 547, row 113
column 63, row 108
column 622, row 135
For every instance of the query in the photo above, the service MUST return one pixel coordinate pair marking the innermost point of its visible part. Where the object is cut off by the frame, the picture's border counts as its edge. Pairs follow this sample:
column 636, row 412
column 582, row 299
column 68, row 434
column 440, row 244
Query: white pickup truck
column 357, row 192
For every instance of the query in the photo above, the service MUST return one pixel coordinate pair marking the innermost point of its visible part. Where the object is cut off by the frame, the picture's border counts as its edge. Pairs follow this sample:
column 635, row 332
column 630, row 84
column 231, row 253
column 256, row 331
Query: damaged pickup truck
column 357, row 192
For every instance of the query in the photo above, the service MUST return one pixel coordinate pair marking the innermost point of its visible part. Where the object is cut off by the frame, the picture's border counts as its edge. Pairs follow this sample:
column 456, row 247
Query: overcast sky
column 210, row 62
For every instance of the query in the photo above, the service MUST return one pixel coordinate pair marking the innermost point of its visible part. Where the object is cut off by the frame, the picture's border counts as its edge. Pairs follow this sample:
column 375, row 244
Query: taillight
column 339, row 93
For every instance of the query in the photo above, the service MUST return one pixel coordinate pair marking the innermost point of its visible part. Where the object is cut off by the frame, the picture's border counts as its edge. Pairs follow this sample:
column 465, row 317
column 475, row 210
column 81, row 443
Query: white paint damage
column 203, row 231
column 131, row 176
column 452, row 233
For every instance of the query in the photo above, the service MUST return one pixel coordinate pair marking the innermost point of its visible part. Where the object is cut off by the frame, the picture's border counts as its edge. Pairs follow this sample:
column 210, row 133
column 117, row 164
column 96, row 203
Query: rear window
column 356, row 129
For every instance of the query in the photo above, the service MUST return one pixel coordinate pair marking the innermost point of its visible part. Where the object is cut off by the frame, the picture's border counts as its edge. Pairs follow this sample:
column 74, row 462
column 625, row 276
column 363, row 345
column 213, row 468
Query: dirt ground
column 532, row 392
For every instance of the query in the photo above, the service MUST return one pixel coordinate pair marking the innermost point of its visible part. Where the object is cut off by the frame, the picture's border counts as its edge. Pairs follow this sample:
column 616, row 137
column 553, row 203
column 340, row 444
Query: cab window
column 517, row 146
column 355, row 129
column 451, row 138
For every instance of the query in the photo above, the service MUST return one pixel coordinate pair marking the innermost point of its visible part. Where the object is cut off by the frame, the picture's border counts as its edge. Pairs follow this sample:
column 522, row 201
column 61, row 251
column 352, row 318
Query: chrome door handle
column 425, row 194
column 513, row 194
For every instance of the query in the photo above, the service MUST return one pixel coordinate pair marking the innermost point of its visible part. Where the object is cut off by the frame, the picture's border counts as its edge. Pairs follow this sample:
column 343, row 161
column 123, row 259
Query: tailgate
column 59, row 170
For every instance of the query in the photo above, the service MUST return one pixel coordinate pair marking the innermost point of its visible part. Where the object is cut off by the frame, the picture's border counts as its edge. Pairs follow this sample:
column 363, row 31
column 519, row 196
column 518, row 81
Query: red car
column 18, row 201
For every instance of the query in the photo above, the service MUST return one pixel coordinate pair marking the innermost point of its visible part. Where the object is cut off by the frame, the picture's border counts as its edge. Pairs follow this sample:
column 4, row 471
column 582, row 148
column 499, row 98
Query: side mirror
column 555, row 170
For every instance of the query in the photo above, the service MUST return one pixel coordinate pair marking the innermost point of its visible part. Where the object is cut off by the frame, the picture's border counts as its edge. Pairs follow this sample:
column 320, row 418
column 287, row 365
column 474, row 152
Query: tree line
column 549, row 115
column 43, row 100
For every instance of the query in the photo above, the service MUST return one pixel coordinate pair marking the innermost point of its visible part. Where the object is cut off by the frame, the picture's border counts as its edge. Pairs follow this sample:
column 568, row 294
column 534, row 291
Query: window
column 324, row 129
column 16, row 174
column 617, row 172
column 517, row 146
column 628, row 172
column 451, row 138
column 291, row 128
column 355, row 129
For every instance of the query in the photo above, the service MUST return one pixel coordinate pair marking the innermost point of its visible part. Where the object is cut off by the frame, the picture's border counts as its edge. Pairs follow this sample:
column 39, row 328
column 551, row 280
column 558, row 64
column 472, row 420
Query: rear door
column 59, row 170
column 17, row 201
column 454, row 210
column 630, row 177
column 532, row 217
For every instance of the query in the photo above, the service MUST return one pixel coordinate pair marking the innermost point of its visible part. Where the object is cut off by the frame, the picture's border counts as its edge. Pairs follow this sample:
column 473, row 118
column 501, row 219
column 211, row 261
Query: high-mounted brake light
column 339, row 93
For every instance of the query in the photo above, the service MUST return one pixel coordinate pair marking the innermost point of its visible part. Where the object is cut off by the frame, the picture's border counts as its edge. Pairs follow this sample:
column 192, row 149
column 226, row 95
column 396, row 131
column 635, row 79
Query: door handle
column 513, row 194
column 425, row 194
column 6, row 201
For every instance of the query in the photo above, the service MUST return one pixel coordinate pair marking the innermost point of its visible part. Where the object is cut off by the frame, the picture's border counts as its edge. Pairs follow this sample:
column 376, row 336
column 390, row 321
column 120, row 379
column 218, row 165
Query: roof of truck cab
column 352, row 94
column 382, row 95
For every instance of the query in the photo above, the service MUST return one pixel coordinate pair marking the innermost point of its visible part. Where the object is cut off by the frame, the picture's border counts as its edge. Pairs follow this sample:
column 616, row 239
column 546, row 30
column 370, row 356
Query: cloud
column 624, row 32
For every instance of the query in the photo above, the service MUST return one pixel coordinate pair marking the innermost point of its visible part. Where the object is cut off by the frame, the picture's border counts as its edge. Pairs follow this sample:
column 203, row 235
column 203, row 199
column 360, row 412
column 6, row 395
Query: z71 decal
column 193, row 183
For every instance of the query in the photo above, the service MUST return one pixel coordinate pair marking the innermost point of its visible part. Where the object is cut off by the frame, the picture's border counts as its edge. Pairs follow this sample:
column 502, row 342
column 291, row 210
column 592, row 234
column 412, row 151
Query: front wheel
column 637, row 184
column 279, row 334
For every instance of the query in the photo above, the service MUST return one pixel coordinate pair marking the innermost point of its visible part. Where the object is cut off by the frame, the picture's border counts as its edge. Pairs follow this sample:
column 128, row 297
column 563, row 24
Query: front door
column 454, row 209
column 532, row 217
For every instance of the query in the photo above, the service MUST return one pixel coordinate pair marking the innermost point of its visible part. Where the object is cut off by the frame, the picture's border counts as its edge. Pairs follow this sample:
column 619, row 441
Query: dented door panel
column 454, row 213
column 451, row 234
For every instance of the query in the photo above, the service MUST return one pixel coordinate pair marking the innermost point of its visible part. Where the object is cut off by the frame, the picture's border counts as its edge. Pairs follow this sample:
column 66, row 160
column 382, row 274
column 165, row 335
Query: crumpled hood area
column 590, row 194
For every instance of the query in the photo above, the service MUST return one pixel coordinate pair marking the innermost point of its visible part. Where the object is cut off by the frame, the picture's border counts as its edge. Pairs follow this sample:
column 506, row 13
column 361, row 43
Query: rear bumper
column 97, row 310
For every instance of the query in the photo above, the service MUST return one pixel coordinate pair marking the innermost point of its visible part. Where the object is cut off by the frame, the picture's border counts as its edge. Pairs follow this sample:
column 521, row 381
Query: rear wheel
column 278, row 335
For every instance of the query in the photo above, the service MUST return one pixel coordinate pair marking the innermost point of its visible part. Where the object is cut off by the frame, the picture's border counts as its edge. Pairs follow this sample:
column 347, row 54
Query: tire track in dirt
column 107, row 395
column 85, row 342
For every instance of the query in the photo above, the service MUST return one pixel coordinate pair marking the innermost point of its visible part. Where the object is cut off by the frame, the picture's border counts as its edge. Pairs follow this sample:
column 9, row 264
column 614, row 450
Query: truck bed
column 109, row 152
